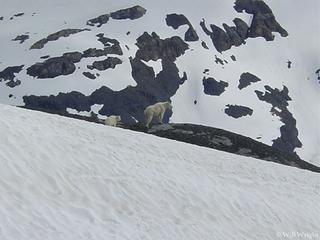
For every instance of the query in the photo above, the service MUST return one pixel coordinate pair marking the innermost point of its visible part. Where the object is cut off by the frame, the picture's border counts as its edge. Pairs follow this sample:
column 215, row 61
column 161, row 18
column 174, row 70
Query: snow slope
column 69, row 179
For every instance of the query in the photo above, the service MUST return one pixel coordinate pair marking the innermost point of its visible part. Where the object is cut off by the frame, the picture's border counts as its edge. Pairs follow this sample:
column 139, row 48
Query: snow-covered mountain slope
column 68, row 179
column 132, row 70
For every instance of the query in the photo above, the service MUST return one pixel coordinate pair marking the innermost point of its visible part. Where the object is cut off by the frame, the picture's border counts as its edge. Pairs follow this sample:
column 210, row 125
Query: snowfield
column 69, row 179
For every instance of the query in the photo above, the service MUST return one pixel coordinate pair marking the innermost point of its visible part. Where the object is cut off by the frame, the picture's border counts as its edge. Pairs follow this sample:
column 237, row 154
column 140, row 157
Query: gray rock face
column 17, row 15
column 74, row 57
column 151, row 47
column 263, row 22
column 107, row 42
column 213, row 87
column 177, row 20
column 224, row 39
column 89, row 75
column 94, row 52
column 129, row 13
column 21, row 38
column 55, row 36
column 288, row 140
column 110, row 62
column 237, row 111
column 9, row 73
column 8, row 76
column 246, row 79
column 52, row 68
column 99, row 21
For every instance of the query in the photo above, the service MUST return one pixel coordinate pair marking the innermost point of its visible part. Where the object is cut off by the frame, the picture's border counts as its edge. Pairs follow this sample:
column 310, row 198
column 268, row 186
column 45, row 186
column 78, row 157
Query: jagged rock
column 242, row 28
column 246, row 79
column 263, row 21
column 107, row 42
column 8, row 74
column 177, row 20
column 17, row 15
column 204, row 45
column 318, row 73
column 45, row 57
column 110, row 62
column 130, row 102
column 151, row 47
column 129, row 13
column 93, row 52
column 13, row 83
column 235, row 38
column 99, row 21
column 21, row 38
column 73, row 56
column 55, row 36
column 237, row 111
column 57, row 104
column 219, row 38
column 218, row 60
column 289, row 64
column 224, row 40
column 89, row 75
column 52, row 68
column 288, row 140
column 213, row 87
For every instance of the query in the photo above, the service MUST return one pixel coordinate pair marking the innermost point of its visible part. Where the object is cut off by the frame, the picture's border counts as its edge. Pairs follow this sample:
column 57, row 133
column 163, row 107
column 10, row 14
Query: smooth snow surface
column 69, row 179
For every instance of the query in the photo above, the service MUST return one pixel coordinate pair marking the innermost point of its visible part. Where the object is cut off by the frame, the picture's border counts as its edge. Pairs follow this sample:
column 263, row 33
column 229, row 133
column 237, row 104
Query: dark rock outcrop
column 99, row 21
column 130, row 102
column 52, row 68
column 151, row 47
column 129, row 13
column 9, row 73
column 110, row 62
column 224, row 39
column 246, row 79
column 21, row 38
column 218, row 60
column 233, row 58
column 288, row 140
column 213, row 87
column 13, row 83
column 8, row 76
column 16, row 15
column 74, row 57
column 204, row 45
column 263, row 21
column 55, row 36
column 107, row 42
column 93, row 52
column 237, row 111
column 45, row 57
column 176, row 20
column 318, row 73
column 89, row 75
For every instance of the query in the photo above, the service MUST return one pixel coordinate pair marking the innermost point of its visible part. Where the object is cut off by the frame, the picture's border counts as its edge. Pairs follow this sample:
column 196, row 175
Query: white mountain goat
column 156, row 110
column 112, row 120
